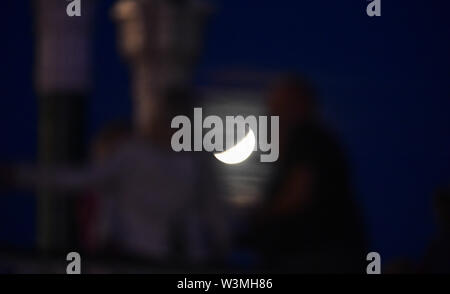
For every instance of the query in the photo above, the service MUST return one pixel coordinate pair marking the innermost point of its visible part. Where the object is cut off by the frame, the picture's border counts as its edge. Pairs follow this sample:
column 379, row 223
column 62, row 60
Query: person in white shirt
column 154, row 192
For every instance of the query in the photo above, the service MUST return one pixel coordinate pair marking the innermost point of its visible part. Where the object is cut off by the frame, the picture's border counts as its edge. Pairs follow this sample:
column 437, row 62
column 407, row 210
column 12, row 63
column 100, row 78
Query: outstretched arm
column 65, row 178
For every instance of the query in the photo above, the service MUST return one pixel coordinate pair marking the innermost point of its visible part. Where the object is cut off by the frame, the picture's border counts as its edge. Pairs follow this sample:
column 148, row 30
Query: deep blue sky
column 384, row 85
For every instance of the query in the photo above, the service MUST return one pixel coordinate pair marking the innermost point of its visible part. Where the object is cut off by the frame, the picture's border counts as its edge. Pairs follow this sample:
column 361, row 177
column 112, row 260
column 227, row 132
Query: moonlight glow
column 239, row 152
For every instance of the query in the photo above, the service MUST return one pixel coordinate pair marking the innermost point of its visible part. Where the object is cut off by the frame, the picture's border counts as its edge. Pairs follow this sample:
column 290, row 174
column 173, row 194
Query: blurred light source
column 239, row 152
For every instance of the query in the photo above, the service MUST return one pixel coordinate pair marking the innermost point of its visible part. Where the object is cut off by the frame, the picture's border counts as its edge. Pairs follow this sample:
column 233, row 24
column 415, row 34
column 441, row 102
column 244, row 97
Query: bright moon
column 239, row 152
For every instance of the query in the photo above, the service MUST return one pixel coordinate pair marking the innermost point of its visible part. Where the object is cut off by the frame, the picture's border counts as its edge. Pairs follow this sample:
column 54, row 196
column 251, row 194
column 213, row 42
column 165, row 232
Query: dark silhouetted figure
column 309, row 222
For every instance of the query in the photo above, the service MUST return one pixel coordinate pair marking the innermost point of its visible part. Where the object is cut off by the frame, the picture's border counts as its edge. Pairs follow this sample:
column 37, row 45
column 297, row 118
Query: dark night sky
column 384, row 85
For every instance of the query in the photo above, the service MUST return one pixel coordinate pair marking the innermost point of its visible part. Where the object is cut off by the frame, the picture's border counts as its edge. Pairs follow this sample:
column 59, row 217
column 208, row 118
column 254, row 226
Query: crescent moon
column 239, row 152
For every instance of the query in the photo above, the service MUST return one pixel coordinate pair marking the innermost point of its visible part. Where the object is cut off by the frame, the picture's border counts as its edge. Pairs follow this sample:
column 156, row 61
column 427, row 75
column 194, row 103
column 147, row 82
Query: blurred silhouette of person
column 309, row 222
column 95, row 210
column 437, row 257
column 163, row 208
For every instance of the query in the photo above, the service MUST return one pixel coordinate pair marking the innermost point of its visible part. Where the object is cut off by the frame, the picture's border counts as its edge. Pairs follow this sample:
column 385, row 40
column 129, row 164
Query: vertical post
column 62, row 82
